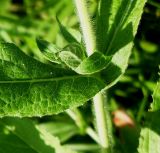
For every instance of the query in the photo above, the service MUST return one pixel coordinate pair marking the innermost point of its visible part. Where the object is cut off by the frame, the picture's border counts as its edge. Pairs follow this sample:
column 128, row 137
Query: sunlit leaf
column 31, row 88
column 150, row 133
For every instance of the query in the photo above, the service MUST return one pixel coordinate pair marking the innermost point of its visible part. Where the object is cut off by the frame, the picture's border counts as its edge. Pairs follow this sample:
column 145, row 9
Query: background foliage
column 21, row 21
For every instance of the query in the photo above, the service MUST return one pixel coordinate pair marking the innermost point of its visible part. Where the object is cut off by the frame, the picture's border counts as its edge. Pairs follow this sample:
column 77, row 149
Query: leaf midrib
column 47, row 79
column 118, row 27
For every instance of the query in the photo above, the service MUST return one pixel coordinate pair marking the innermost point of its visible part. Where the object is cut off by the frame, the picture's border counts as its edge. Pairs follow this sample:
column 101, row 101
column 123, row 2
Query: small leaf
column 76, row 49
column 70, row 59
column 72, row 55
column 76, row 34
column 66, row 34
column 49, row 50
column 94, row 63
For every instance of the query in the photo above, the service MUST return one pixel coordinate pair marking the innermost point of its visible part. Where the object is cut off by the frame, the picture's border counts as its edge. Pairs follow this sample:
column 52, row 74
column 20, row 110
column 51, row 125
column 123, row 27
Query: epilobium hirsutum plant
column 81, row 71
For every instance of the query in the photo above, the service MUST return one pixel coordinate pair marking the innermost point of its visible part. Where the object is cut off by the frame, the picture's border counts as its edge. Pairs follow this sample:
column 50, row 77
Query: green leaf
column 117, row 23
column 66, row 34
column 94, row 63
column 10, row 142
column 150, row 133
column 70, row 59
column 73, row 56
column 156, row 96
column 31, row 88
column 76, row 49
column 5, row 4
column 25, row 136
column 62, row 130
column 49, row 50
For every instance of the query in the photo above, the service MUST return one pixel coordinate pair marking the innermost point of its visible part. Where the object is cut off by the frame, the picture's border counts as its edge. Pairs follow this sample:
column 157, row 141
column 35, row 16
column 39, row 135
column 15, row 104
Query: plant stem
column 143, row 104
column 93, row 134
column 101, row 121
column 86, row 27
column 80, row 122
column 98, row 100
column 156, row 4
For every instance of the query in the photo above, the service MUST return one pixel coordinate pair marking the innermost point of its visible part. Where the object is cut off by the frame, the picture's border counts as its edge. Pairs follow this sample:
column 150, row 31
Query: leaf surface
column 117, row 23
column 94, row 63
column 66, row 34
column 70, row 59
column 63, row 130
column 155, row 106
column 25, row 136
column 150, row 133
column 49, row 50
column 73, row 56
column 31, row 88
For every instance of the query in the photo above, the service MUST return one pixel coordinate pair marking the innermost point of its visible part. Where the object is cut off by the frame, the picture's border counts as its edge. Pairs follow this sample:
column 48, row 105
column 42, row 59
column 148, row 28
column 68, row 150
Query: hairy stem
column 100, row 116
column 98, row 100
column 86, row 27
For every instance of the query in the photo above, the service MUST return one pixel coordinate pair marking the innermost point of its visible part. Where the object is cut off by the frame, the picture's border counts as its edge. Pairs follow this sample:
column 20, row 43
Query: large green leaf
column 31, row 88
column 22, row 135
column 117, row 22
column 150, row 133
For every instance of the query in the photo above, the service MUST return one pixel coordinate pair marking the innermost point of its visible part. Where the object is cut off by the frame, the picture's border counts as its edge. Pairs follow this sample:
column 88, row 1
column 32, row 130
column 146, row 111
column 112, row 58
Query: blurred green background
column 21, row 21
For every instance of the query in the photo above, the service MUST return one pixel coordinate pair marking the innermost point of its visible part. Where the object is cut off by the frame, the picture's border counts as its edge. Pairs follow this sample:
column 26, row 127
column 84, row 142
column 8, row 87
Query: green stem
column 86, row 26
column 92, row 134
column 100, row 116
column 156, row 4
column 83, row 147
column 143, row 104
column 81, row 124
column 98, row 100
